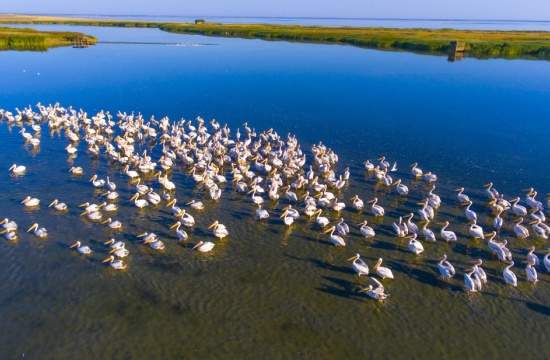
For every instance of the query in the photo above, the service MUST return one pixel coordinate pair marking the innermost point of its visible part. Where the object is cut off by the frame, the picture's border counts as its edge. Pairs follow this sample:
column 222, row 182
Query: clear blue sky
column 450, row 9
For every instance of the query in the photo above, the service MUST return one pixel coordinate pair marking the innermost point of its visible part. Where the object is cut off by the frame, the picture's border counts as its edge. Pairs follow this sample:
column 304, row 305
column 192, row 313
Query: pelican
column 111, row 185
column 116, row 264
column 97, row 183
column 58, row 206
column 416, row 171
column 83, row 250
column 8, row 226
column 30, row 202
column 181, row 234
column 445, row 268
column 498, row 221
column 469, row 283
column 476, row 231
column 139, row 203
column 342, row 228
column 113, row 244
column 532, row 257
column 41, row 233
column 538, row 230
column 414, row 245
column 357, row 203
column 401, row 188
column 411, row 226
column 121, row 252
column 366, row 230
column 490, row 192
column 375, row 209
column 258, row 200
column 518, row 210
column 219, row 230
column 520, row 231
column 470, row 214
column 18, row 170
column 322, row 221
column 76, row 171
column 447, row 235
column 335, row 239
column 359, row 266
column 111, row 195
column 462, row 198
column 287, row 218
column 400, row 229
column 186, row 219
column 531, row 272
column 375, row 293
column 109, row 207
column 509, row 277
column 546, row 261
column 204, row 246
column 71, row 150
column 383, row 272
column 196, row 205
column 428, row 234
column 92, row 215
column 261, row 214
column 113, row 225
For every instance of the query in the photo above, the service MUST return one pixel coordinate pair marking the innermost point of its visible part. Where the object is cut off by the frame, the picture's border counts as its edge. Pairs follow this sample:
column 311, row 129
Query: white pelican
column 531, row 272
column 357, row 203
column 204, row 246
column 359, row 266
column 470, row 214
column 518, row 210
column 139, row 203
column 109, row 207
column 334, row 239
column 445, row 268
column 41, row 233
column 463, row 199
column 490, row 192
column 59, row 206
column 76, row 171
column 509, row 277
column 111, row 195
column 121, row 252
column 416, row 171
column 401, row 188
column 261, row 214
column 71, row 150
column 532, row 257
column 92, row 215
column 414, row 245
column 180, row 234
column 342, row 228
column 322, row 221
column 132, row 174
column 258, row 200
column 411, row 226
column 479, row 272
column 538, row 230
column 97, row 183
column 546, row 261
column 520, row 230
column 476, row 231
column 498, row 221
column 18, row 170
column 30, row 202
column 383, row 272
column 116, row 264
column 219, row 230
column 375, row 209
column 113, row 225
column 186, row 219
column 469, row 283
column 83, row 250
column 366, row 230
column 196, row 204
column 400, row 230
column 375, row 293
column 9, row 226
column 428, row 234
column 447, row 235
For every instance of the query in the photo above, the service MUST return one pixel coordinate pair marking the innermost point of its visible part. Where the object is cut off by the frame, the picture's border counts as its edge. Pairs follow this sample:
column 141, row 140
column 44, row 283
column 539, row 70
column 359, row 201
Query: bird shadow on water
column 324, row 265
column 340, row 287
column 536, row 307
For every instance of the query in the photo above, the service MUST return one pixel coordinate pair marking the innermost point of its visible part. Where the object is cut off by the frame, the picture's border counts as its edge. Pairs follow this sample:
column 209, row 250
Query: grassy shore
column 480, row 44
column 29, row 39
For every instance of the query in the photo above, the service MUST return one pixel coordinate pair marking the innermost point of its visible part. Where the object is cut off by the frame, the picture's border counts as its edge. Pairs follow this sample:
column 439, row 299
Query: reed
column 34, row 40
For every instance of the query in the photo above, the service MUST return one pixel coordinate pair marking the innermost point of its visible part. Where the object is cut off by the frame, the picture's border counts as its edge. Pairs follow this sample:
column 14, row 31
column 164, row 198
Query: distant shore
column 477, row 43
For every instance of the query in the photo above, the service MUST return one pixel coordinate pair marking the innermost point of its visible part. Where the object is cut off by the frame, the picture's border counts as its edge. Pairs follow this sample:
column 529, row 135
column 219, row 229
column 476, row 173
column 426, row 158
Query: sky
column 420, row 9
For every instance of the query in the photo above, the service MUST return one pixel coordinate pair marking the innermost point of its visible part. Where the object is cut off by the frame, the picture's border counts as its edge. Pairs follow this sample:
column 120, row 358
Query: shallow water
column 267, row 290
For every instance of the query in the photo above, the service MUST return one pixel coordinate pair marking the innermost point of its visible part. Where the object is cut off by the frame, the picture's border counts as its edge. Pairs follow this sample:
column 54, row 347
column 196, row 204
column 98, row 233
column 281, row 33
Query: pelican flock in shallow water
column 275, row 176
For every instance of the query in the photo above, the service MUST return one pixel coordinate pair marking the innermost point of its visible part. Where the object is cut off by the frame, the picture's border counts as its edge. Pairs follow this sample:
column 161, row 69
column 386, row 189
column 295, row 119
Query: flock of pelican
column 265, row 167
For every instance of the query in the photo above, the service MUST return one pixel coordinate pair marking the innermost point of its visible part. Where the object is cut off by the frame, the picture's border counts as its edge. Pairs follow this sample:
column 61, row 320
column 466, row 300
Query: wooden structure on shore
column 456, row 50
column 199, row 21
column 81, row 43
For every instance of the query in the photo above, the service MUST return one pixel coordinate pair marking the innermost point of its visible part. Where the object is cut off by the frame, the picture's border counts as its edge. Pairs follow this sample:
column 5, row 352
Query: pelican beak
column 31, row 228
column 174, row 226
column 112, row 251
column 352, row 258
column 142, row 235
column 83, row 205
column 109, row 242
column 84, row 212
column 198, row 244
column 327, row 230
column 106, row 260
column 212, row 225
column 74, row 245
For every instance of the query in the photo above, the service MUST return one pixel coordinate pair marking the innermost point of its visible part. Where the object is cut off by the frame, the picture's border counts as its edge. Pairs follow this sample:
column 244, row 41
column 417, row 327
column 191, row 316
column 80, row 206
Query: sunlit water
column 268, row 291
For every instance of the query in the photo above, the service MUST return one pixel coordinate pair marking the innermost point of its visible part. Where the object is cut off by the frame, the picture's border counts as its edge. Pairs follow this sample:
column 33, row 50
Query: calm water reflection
column 268, row 290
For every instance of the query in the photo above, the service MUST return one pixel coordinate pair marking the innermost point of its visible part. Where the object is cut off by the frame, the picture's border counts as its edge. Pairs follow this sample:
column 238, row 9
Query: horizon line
column 279, row 17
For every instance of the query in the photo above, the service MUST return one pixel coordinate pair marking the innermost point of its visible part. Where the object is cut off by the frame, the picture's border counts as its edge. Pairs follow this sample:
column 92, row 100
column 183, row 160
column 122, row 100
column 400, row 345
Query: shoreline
column 481, row 44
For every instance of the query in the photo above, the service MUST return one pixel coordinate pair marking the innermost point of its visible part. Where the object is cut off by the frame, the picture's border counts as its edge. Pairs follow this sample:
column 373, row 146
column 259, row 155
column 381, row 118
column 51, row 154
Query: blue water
column 269, row 291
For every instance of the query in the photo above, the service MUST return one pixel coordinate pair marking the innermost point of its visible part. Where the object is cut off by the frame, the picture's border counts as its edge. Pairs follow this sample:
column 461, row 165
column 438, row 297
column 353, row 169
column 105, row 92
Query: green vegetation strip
column 478, row 43
column 29, row 39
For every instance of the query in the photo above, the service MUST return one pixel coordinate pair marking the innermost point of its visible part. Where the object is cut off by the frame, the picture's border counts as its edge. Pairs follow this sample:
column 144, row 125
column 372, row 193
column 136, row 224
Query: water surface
column 267, row 290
